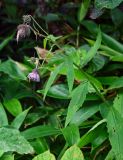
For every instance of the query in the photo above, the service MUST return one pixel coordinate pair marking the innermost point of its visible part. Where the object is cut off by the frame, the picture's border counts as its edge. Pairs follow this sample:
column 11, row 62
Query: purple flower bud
column 34, row 76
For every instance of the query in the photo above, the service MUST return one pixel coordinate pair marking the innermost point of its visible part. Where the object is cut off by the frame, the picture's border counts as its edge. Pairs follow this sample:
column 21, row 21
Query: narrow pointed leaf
column 17, row 122
column 83, row 10
column 78, row 98
column 52, row 78
column 92, row 52
column 40, row 131
column 92, row 134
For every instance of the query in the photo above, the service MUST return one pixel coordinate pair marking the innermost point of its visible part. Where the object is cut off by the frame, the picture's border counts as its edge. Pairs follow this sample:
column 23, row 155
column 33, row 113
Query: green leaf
column 52, row 78
column 118, row 103
column 115, row 127
column 73, row 153
column 17, row 122
column 83, row 10
column 13, row 69
column 40, row 131
column 40, row 145
column 110, row 156
column 59, row 91
column 92, row 52
column 83, row 114
column 112, row 43
column 92, row 134
column 1, row 153
column 7, row 157
column 11, row 140
column 110, row 4
column 78, row 98
column 45, row 156
column 70, row 72
column 32, row 118
column 117, row 58
column 3, row 116
column 6, row 41
column 118, row 83
column 13, row 106
column 71, row 134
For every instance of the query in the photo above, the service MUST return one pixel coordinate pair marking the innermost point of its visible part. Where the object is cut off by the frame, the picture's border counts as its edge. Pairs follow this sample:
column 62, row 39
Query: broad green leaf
column 115, row 127
column 71, row 134
column 83, row 114
column 83, row 10
column 7, row 157
column 52, row 78
column 11, row 140
column 92, row 52
column 118, row 103
column 108, row 80
column 110, row 4
column 73, row 153
column 59, row 91
column 45, row 156
column 92, row 134
column 78, row 98
column 17, row 122
column 3, row 116
column 40, row 131
column 13, row 69
column 118, row 83
column 70, row 72
column 13, row 106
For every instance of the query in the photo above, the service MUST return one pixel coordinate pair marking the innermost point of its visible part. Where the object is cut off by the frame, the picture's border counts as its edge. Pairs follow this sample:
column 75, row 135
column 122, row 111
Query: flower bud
column 34, row 76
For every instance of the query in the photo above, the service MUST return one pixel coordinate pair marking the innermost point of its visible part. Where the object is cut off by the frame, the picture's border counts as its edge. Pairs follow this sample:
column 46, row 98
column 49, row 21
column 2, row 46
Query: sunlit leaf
column 73, row 153
column 45, row 156
column 11, row 140
column 13, row 106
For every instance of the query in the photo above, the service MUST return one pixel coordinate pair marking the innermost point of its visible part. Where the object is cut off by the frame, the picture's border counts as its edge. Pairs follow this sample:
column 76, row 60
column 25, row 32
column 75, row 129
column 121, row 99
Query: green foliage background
column 75, row 112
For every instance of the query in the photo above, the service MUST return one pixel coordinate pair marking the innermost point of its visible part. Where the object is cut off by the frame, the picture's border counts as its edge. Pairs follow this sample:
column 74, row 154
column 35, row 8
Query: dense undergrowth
column 61, row 80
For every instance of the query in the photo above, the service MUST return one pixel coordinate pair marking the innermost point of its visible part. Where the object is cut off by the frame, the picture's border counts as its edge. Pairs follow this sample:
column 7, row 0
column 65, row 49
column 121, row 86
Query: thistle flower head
column 23, row 30
column 34, row 76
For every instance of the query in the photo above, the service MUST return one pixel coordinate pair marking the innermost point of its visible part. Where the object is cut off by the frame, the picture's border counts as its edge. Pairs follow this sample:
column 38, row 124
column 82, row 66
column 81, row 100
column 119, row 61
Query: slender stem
column 77, row 39
column 38, row 25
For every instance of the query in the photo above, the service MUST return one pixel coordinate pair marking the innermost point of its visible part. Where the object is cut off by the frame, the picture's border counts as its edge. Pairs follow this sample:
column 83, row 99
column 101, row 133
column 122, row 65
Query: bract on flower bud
column 23, row 30
column 34, row 76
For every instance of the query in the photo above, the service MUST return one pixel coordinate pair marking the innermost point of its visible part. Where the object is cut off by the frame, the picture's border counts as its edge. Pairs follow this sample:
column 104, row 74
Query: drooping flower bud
column 34, row 76
column 23, row 30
